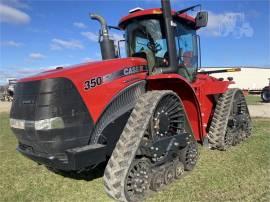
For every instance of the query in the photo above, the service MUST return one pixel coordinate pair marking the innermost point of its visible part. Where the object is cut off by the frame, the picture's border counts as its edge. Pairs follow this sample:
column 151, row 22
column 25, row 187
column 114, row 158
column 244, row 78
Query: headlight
column 45, row 124
column 15, row 123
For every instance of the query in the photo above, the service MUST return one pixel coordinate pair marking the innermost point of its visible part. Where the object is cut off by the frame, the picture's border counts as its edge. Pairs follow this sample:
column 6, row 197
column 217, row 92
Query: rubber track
column 128, row 144
column 220, row 119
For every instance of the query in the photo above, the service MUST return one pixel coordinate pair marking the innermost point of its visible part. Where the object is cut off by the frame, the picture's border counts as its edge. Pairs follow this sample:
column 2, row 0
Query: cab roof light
column 135, row 10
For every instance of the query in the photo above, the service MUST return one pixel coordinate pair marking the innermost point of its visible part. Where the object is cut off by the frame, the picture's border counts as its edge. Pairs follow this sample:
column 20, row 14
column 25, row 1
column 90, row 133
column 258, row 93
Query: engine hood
column 96, row 82
column 86, row 70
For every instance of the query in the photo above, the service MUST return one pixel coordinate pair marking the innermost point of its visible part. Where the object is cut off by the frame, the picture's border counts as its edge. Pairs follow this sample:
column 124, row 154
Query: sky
column 36, row 35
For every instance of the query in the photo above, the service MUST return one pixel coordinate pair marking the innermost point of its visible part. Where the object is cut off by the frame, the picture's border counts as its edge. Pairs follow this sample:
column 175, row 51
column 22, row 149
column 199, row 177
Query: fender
column 113, row 119
column 208, row 89
column 182, row 87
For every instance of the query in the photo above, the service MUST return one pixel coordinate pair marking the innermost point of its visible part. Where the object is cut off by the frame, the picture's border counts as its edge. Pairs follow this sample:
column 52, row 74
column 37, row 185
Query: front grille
column 45, row 99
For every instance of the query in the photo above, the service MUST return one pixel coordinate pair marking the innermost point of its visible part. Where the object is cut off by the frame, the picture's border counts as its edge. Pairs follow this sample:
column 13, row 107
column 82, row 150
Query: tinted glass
column 187, row 49
column 147, row 35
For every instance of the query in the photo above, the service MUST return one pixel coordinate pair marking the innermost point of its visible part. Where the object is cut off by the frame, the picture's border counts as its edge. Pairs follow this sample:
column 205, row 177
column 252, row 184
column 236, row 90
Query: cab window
column 187, row 50
column 147, row 36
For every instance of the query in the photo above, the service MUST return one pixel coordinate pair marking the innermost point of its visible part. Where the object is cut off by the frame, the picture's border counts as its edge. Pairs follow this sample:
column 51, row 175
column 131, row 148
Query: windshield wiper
column 187, row 9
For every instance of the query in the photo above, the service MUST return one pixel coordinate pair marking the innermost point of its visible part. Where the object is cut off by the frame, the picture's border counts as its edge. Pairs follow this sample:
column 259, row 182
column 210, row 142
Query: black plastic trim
column 45, row 99
column 77, row 158
column 121, row 105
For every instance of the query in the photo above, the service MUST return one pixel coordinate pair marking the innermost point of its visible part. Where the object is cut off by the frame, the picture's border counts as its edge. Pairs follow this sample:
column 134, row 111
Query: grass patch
column 253, row 100
column 241, row 174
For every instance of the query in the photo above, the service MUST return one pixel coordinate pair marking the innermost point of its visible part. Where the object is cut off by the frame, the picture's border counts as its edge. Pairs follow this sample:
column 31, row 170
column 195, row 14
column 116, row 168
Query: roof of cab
column 149, row 12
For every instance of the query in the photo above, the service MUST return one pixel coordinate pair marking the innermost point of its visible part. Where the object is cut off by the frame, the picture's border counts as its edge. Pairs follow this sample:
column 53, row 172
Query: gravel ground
column 5, row 106
column 262, row 110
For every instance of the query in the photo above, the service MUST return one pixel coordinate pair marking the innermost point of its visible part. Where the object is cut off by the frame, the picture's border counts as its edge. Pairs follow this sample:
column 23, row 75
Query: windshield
column 146, row 36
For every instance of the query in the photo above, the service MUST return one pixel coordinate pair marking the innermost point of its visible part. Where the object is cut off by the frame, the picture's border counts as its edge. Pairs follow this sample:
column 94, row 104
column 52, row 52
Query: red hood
column 88, row 70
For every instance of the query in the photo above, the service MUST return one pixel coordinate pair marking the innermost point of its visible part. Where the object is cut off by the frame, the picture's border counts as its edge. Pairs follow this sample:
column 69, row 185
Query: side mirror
column 201, row 19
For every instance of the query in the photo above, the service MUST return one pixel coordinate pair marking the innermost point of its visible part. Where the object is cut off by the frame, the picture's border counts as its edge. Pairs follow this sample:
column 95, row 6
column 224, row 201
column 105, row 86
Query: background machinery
column 7, row 92
column 144, row 114
column 265, row 94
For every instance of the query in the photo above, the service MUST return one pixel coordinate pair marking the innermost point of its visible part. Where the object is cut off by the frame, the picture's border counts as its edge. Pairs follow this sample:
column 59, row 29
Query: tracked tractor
column 144, row 115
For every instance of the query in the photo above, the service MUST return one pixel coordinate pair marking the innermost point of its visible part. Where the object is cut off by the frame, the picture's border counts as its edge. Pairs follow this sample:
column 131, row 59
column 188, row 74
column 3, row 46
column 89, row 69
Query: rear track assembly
column 231, row 122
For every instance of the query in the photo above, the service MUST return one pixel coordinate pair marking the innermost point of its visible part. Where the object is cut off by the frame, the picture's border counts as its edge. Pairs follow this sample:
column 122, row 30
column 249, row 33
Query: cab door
column 187, row 51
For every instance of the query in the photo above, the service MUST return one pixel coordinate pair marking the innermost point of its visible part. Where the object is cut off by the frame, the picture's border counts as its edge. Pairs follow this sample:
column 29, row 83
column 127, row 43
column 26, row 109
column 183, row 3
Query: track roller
column 189, row 155
column 169, row 174
column 157, row 182
column 178, row 169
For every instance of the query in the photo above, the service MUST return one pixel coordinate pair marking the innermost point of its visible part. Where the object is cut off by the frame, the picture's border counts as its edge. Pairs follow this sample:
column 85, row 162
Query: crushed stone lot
column 5, row 106
column 262, row 110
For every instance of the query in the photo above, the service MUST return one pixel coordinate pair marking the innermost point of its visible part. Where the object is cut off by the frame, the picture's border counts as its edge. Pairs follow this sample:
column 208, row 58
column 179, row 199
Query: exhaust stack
column 169, row 32
column 106, row 44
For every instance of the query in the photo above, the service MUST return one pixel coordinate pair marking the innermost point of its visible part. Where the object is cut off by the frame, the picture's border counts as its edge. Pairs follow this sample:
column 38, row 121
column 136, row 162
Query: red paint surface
column 206, row 87
column 98, row 98
column 154, row 11
column 187, row 94
column 198, row 97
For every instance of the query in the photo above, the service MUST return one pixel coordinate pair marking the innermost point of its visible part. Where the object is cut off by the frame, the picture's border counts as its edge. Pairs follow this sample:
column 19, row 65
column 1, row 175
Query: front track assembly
column 153, row 150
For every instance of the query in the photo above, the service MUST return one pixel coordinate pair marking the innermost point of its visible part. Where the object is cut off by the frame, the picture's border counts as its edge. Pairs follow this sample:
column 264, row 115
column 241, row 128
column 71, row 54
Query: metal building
column 247, row 78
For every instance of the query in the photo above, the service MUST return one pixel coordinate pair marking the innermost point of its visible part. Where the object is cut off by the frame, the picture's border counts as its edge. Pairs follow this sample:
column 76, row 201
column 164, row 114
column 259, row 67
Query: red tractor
column 143, row 114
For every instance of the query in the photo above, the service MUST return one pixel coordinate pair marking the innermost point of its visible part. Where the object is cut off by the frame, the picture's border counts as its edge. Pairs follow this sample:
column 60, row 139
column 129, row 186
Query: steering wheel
column 153, row 46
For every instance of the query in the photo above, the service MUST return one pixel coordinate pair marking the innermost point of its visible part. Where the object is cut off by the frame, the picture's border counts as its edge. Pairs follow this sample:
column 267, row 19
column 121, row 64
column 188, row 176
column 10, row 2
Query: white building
column 247, row 78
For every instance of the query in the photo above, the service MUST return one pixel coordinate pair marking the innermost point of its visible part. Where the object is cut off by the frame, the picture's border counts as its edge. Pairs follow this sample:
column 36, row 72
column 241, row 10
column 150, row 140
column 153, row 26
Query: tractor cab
column 147, row 36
